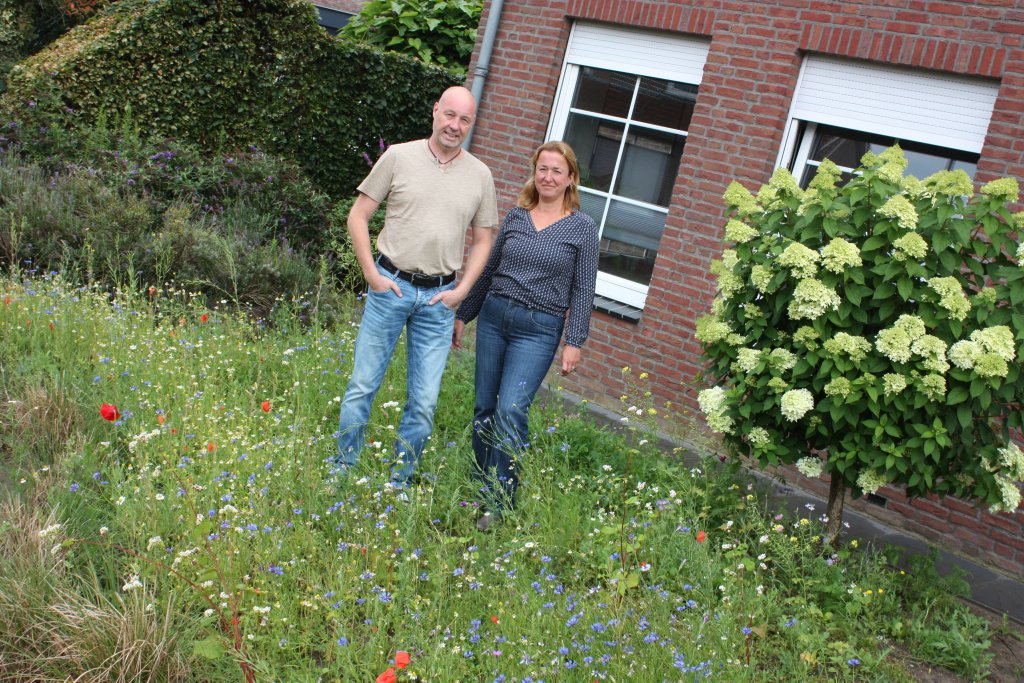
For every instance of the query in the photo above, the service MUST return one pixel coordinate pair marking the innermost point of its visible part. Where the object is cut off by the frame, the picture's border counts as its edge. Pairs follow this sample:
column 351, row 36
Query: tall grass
column 198, row 537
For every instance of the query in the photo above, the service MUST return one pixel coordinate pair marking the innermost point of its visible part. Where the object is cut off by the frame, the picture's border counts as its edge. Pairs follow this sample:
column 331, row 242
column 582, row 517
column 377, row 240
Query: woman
column 544, row 263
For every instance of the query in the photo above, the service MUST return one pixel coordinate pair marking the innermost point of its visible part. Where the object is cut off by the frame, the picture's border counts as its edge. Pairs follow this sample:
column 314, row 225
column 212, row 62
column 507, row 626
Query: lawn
column 188, row 530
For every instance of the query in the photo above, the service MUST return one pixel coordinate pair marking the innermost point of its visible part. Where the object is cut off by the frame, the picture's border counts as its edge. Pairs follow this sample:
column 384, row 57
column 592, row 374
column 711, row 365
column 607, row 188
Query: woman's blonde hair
column 529, row 196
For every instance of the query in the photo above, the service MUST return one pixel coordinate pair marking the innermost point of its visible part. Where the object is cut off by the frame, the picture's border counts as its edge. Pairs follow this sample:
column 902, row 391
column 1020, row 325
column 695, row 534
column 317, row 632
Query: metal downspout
column 483, row 63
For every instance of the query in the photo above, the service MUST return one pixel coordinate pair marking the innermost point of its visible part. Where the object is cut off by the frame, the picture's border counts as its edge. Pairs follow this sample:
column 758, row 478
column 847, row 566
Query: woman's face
column 551, row 176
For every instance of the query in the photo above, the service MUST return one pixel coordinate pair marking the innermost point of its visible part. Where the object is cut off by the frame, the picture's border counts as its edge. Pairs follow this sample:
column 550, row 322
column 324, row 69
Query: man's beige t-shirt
column 430, row 207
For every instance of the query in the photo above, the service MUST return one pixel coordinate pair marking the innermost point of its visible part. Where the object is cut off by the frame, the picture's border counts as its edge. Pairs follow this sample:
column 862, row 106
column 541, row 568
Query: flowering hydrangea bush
column 872, row 330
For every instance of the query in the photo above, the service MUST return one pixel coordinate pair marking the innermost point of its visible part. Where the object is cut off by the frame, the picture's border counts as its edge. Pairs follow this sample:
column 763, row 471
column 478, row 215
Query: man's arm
column 483, row 240
column 359, row 230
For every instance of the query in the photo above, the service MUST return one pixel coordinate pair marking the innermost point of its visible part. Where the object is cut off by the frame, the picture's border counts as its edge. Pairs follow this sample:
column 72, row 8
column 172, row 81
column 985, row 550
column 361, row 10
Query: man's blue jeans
column 514, row 349
column 428, row 339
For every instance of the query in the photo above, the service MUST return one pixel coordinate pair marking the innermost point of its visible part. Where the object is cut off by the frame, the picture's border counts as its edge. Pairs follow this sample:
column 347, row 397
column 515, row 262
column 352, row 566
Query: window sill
column 617, row 309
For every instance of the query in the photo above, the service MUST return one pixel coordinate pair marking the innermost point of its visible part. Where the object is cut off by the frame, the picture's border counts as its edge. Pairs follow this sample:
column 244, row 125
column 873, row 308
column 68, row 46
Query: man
column 435, row 192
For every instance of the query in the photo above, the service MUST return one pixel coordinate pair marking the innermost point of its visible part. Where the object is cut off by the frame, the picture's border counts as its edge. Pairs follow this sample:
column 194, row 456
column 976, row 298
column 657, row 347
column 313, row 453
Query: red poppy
column 402, row 659
column 266, row 406
column 152, row 291
column 494, row 619
column 7, row 300
column 701, row 536
column 161, row 419
column 210, row 447
column 109, row 412
column 203, row 318
column 388, row 676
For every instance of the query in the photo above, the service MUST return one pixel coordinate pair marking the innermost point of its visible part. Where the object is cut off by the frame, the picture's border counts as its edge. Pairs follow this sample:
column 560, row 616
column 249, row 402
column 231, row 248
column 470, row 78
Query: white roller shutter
column 643, row 53
column 923, row 106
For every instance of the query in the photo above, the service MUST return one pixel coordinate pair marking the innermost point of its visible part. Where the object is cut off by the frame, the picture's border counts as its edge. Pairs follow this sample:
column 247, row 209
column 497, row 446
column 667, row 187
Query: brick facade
column 756, row 49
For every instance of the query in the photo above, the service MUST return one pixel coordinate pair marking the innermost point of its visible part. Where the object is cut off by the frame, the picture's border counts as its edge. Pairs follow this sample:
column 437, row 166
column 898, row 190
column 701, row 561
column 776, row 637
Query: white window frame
column 639, row 54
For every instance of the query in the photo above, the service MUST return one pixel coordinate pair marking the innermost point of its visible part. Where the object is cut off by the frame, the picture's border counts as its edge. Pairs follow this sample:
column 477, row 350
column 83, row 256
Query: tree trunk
column 836, row 498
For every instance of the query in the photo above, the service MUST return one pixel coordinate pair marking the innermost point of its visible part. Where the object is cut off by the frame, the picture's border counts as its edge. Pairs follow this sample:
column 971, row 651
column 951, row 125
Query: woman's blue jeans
column 514, row 349
column 428, row 339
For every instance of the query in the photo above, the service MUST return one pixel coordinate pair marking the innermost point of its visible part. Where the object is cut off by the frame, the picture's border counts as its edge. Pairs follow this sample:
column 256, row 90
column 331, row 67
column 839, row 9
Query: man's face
column 453, row 117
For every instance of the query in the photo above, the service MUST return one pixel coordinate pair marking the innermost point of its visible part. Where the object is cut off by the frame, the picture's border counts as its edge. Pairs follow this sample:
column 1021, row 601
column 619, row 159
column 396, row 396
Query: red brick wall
column 756, row 48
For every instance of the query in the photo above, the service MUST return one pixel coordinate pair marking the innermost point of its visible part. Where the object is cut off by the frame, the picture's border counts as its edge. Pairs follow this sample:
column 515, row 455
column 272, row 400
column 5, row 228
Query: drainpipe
column 483, row 63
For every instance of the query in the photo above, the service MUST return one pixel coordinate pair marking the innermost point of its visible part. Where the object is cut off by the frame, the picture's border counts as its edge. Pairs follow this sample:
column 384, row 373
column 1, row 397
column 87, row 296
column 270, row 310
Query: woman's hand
column 460, row 327
column 570, row 358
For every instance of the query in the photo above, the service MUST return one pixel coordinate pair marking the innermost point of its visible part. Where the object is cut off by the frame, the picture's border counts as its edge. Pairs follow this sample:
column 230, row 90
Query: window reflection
column 627, row 166
column 846, row 147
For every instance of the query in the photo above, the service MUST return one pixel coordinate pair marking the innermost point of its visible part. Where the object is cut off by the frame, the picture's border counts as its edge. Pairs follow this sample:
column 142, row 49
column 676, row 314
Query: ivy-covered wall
column 231, row 73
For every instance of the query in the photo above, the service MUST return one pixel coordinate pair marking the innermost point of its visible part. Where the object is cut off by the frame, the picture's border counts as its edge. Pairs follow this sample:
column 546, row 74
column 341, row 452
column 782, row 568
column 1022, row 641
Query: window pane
column 842, row 150
column 664, row 103
column 649, row 166
column 592, row 205
column 596, row 144
column 629, row 242
column 604, row 92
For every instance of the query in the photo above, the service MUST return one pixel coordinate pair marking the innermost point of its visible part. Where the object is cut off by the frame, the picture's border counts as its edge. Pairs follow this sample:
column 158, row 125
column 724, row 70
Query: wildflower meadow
column 167, row 516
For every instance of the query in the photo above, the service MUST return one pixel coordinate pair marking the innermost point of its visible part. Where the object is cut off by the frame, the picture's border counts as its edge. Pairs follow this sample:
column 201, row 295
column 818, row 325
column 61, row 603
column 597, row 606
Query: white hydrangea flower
column 739, row 232
column 758, row 437
column 1012, row 459
column 810, row 467
column 748, row 359
column 801, row 260
column 840, row 386
column 761, row 276
column 901, row 210
column 1010, row 494
column 711, row 400
column 811, row 298
column 951, row 296
column 933, row 351
column 838, row 255
column 783, row 359
column 854, row 346
column 998, row 340
column 893, row 383
column 796, row 403
column 912, row 246
column 868, row 481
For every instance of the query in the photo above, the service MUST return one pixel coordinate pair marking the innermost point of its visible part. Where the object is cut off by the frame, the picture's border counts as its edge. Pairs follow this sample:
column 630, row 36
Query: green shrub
column 440, row 33
column 877, row 323
column 226, row 75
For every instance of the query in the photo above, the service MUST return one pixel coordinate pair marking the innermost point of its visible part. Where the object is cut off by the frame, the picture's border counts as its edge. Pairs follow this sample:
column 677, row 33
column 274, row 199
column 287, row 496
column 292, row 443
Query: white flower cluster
column 747, row 359
column 711, row 329
column 809, row 467
column 739, row 198
column 142, row 438
column 761, row 276
column 739, row 232
column 854, row 346
column 782, row 359
column 811, row 298
column 901, row 210
column 910, row 246
column 796, row 403
column 727, row 282
column 838, row 255
column 840, row 386
column 895, row 342
column 1012, row 460
column 950, row 184
column 1003, row 189
column 713, row 404
column 933, row 351
column 951, row 296
column 801, row 260
column 868, row 481
column 987, row 352
column 759, row 437
column 893, row 383
column 1010, row 494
